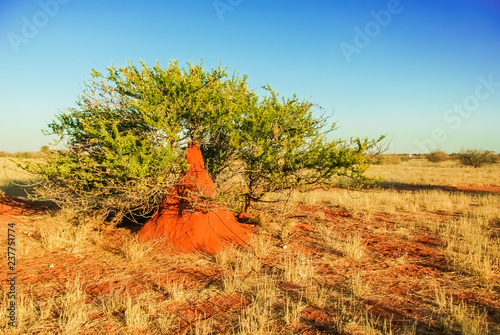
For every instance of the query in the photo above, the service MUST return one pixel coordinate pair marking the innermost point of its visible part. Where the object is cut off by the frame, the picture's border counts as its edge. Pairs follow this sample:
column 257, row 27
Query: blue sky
column 425, row 72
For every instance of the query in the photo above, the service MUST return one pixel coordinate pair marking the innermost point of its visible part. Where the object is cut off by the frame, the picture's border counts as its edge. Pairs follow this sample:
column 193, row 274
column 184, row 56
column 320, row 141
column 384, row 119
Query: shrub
column 477, row 158
column 386, row 159
column 27, row 154
column 437, row 156
column 404, row 157
column 45, row 149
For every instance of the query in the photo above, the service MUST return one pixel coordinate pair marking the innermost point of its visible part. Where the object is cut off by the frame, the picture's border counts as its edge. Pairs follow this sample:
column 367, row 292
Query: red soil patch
column 321, row 319
column 215, row 307
column 12, row 208
column 330, row 213
column 490, row 189
column 189, row 220
column 417, row 271
column 393, row 248
column 427, row 239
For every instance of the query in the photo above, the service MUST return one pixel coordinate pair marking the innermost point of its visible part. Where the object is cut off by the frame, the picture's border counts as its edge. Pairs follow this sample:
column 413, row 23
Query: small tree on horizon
column 476, row 158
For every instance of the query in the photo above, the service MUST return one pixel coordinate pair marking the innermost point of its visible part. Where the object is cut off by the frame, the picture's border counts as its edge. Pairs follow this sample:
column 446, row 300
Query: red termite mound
column 188, row 220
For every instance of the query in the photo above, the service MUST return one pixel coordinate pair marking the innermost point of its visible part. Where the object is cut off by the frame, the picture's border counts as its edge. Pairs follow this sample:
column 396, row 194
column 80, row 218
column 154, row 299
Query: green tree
column 126, row 135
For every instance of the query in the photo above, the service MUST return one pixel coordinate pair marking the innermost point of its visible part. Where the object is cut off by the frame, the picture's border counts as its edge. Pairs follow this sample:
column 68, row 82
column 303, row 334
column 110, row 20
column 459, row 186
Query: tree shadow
column 134, row 222
column 19, row 206
column 15, row 190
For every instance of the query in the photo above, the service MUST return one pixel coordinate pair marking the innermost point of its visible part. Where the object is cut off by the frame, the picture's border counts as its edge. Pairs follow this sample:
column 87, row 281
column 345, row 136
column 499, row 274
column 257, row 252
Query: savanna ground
column 418, row 255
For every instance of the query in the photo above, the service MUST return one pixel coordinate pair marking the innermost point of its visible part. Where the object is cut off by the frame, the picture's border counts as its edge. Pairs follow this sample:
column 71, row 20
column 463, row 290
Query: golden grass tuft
column 297, row 268
column 292, row 310
column 453, row 317
column 135, row 250
column 354, row 247
column 471, row 248
column 257, row 317
column 358, row 288
column 73, row 309
column 136, row 317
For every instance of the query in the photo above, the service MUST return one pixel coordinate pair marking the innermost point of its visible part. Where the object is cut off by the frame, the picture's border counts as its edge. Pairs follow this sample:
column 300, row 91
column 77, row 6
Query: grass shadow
column 390, row 185
column 16, row 190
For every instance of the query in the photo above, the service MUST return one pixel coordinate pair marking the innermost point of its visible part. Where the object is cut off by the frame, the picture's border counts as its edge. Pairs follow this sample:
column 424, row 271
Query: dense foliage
column 126, row 137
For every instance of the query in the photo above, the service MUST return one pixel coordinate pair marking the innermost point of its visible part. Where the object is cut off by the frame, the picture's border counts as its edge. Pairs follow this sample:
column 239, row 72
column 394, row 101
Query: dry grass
column 74, row 312
column 453, row 316
column 135, row 251
column 353, row 247
column 332, row 277
column 13, row 180
column 358, row 288
column 57, row 233
column 136, row 317
column 257, row 317
column 297, row 268
column 318, row 295
column 470, row 247
column 292, row 310
column 447, row 173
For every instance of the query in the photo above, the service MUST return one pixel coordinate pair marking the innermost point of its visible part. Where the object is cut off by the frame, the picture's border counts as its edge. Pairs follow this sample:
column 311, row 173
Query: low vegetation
column 437, row 156
column 477, row 158
column 388, row 159
column 418, row 171
column 378, row 261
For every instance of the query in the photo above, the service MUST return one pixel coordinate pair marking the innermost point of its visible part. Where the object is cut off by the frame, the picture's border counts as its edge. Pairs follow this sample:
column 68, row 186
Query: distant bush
column 23, row 154
column 477, row 158
column 437, row 156
column 44, row 151
column 404, row 157
column 377, row 159
column 27, row 154
column 386, row 159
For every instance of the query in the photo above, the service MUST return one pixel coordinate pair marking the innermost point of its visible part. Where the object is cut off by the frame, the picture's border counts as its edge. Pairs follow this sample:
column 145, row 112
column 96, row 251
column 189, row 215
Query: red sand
column 491, row 189
column 190, row 221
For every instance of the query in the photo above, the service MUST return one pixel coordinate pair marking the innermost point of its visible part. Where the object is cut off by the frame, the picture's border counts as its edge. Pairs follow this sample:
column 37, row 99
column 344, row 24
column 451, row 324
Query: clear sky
column 424, row 72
